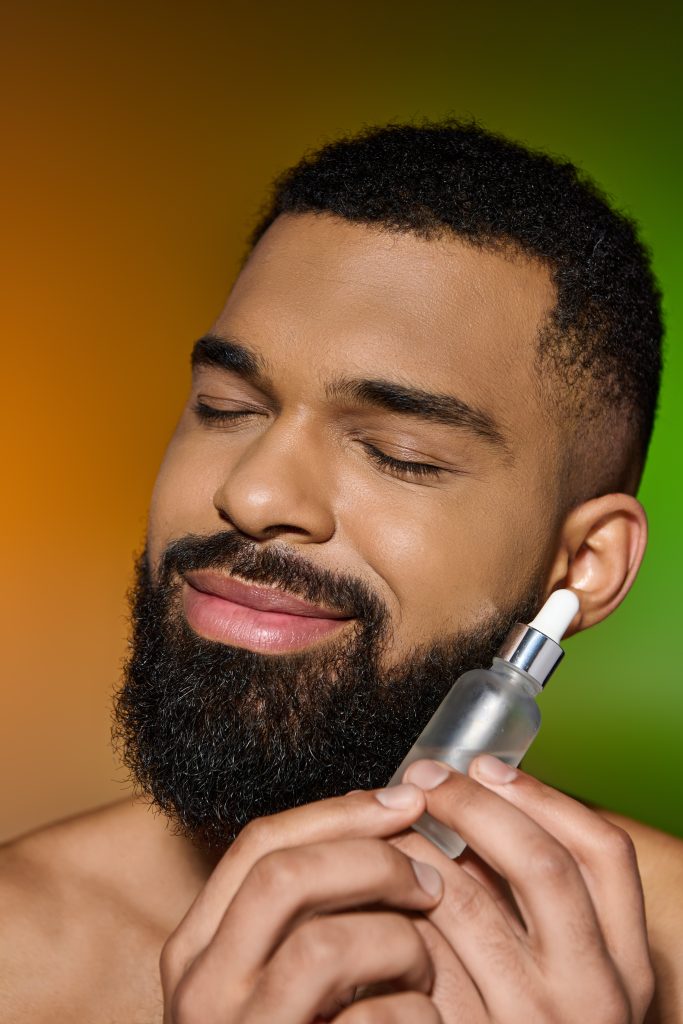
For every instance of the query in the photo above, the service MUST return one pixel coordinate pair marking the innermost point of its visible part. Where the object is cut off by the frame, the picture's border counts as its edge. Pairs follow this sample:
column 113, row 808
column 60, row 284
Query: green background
column 142, row 138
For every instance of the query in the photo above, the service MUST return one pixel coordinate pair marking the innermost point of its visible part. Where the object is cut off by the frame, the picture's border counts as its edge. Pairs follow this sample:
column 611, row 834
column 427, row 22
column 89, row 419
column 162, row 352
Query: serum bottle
column 493, row 710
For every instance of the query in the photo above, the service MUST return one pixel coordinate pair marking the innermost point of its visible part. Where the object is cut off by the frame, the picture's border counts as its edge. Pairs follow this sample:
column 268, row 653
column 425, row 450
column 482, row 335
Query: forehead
column 320, row 292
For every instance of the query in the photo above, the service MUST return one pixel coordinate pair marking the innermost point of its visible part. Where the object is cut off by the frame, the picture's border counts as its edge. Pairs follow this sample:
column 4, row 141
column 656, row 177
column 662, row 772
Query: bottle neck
column 532, row 652
column 517, row 677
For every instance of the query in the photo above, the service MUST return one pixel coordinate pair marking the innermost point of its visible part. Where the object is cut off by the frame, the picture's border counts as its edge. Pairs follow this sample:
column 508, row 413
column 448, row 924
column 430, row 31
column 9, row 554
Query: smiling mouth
column 256, row 618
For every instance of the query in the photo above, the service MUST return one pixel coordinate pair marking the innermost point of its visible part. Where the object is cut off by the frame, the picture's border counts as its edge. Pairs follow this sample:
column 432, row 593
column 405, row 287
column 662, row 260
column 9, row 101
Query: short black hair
column 430, row 178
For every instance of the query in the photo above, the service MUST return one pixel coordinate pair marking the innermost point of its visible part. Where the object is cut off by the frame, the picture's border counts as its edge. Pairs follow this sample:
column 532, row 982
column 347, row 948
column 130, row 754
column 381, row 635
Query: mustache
column 276, row 565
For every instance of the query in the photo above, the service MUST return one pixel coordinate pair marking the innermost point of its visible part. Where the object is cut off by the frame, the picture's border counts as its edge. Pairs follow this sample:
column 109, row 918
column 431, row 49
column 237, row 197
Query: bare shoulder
column 32, row 932
column 72, row 928
column 660, row 862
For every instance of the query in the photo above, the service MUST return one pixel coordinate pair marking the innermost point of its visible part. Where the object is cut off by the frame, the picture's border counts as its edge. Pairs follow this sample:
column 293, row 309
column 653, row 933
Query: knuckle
column 549, row 861
column 618, row 845
column 318, row 943
column 276, row 872
column 256, row 833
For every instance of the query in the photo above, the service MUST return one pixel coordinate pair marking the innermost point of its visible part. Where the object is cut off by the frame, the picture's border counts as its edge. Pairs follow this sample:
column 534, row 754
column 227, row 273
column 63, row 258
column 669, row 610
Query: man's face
column 392, row 463
column 323, row 301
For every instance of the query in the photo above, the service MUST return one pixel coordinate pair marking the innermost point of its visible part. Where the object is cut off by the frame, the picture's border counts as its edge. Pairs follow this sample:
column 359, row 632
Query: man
column 425, row 406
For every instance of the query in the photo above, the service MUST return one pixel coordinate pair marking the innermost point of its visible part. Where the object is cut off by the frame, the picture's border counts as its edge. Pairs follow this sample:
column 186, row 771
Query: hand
column 276, row 933
column 542, row 918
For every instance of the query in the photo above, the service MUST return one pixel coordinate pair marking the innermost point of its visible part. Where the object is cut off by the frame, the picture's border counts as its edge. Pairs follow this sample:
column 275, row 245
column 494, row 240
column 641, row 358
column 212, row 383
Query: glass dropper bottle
column 493, row 710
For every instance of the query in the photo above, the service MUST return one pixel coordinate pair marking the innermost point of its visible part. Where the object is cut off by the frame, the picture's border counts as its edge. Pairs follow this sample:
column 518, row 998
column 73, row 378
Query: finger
column 419, row 848
column 398, row 1008
column 334, row 954
column 605, row 855
column 543, row 875
column 487, row 940
column 453, row 985
column 373, row 813
column 287, row 886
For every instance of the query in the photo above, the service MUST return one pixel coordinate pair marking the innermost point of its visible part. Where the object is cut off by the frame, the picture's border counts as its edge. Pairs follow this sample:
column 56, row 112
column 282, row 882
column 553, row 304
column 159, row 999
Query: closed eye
column 218, row 417
column 401, row 467
column 397, row 467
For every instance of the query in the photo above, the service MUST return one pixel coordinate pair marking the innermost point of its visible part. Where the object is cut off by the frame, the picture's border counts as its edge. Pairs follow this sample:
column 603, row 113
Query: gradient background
column 138, row 142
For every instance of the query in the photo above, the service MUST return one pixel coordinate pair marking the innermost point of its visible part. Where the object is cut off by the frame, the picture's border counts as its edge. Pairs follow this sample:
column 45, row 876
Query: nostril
column 274, row 531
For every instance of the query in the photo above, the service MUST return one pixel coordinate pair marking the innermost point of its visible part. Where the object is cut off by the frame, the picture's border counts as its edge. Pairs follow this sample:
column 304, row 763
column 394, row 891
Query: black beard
column 217, row 735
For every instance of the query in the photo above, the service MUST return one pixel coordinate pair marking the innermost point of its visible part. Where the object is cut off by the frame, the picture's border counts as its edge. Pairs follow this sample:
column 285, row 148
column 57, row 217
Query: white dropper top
column 556, row 614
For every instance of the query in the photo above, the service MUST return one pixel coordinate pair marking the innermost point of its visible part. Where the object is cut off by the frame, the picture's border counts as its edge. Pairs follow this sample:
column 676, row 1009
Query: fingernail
column 352, row 791
column 491, row 769
column 428, row 877
column 427, row 774
column 397, row 796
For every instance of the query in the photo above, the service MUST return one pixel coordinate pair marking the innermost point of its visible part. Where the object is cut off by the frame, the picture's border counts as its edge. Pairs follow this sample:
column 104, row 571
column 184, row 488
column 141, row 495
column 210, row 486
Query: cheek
column 449, row 561
column 182, row 499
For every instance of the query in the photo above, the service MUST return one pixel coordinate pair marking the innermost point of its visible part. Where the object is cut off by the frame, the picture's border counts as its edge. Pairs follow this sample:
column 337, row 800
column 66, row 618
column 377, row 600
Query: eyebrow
column 447, row 410
column 228, row 355
column 411, row 401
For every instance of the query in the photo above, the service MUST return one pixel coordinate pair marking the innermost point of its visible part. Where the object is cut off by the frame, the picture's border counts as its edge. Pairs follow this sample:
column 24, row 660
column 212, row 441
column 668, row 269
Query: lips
column 257, row 618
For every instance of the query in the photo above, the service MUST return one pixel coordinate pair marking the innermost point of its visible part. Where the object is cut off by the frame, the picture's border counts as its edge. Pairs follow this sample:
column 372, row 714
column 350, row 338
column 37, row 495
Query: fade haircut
column 601, row 345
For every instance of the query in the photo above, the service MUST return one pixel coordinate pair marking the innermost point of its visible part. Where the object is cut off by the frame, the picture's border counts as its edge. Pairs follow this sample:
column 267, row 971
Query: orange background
column 138, row 140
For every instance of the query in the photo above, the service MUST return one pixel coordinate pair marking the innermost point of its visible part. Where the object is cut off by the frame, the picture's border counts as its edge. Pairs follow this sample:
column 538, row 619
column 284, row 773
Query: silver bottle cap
column 532, row 652
column 535, row 648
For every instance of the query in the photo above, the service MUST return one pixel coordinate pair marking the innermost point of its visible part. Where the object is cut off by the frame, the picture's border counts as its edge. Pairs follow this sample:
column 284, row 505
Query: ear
column 601, row 546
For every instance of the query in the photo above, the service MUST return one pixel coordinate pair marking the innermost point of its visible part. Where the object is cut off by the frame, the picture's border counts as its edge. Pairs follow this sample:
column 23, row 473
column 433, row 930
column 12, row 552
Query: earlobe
column 601, row 547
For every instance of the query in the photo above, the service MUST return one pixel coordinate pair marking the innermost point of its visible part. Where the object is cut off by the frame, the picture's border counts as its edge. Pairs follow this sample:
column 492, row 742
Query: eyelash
column 210, row 415
column 396, row 466
column 414, row 469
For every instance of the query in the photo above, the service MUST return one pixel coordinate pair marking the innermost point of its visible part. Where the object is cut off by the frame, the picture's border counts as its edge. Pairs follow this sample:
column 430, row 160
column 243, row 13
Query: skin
column 542, row 918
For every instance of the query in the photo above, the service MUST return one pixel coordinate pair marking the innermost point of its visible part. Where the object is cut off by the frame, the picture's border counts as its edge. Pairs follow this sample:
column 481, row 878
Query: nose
column 277, row 487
